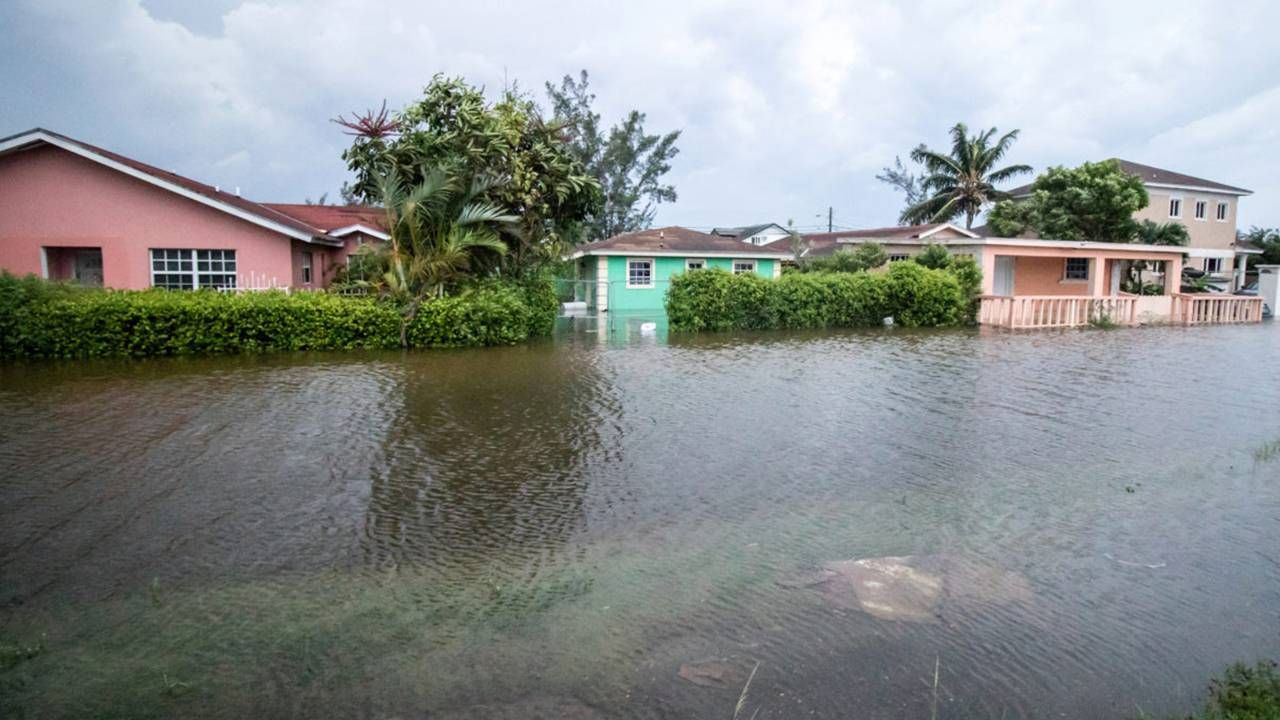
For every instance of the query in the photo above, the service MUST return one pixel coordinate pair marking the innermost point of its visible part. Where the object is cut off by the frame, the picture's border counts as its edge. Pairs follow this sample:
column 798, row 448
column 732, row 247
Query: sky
column 785, row 108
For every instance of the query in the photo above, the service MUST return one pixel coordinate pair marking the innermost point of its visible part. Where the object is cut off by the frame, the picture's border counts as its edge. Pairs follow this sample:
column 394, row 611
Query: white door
column 1003, row 281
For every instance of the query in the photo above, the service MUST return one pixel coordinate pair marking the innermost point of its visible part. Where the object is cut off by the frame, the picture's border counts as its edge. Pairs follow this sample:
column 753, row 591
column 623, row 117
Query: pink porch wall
column 50, row 197
column 1043, row 276
column 1042, row 267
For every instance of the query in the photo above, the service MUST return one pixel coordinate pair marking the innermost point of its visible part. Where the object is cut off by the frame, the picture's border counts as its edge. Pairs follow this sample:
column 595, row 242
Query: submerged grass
column 1243, row 692
column 1267, row 451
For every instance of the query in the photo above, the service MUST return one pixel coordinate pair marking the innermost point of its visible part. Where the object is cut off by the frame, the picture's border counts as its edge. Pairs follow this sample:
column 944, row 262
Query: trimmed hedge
column 915, row 296
column 48, row 320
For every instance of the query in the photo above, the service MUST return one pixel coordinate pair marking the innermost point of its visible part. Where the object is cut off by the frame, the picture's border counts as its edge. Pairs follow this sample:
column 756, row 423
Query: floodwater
column 556, row 530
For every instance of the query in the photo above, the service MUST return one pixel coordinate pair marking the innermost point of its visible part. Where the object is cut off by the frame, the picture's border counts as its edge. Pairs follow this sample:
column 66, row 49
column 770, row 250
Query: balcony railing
column 1214, row 309
column 1052, row 311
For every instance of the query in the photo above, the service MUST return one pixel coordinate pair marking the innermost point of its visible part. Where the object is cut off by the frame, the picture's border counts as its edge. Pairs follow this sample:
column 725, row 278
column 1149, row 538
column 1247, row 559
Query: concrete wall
column 52, row 198
column 1208, row 233
column 1043, row 276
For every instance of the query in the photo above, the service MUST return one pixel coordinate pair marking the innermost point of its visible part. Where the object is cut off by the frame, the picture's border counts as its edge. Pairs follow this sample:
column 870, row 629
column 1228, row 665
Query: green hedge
column 48, row 320
column 913, row 295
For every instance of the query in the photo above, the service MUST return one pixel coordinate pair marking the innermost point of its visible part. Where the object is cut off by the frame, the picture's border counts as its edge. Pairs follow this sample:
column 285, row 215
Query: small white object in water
column 888, row 322
column 648, row 328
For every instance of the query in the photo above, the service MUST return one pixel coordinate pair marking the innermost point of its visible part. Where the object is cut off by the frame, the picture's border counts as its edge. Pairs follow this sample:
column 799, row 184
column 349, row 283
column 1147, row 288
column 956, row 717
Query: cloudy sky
column 786, row 107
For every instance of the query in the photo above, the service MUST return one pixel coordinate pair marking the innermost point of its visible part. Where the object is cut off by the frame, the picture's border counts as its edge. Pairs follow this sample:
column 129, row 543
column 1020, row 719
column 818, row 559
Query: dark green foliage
column 1268, row 239
column 866, row 256
column 1094, row 202
column 1244, row 693
column 912, row 294
column 934, row 256
column 628, row 162
column 51, row 322
column 963, row 180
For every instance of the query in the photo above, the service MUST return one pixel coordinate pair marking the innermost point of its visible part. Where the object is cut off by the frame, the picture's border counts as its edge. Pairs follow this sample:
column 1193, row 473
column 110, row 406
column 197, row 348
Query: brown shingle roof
column 827, row 243
column 333, row 217
column 1157, row 176
column 677, row 239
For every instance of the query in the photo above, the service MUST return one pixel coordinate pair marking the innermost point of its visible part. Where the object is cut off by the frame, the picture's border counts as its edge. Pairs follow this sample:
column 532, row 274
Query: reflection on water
column 559, row 528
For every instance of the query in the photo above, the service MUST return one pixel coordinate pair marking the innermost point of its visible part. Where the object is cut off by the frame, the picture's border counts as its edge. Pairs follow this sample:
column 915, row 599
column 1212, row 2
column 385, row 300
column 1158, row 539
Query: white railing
column 1053, row 311
column 1212, row 309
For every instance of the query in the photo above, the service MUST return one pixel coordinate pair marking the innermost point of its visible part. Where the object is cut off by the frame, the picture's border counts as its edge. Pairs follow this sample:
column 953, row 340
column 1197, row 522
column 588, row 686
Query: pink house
column 73, row 211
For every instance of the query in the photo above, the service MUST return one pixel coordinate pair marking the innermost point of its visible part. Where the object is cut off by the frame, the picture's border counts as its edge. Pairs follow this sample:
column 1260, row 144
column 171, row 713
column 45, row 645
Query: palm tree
column 962, row 182
column 437, row 230
column 1154, row 233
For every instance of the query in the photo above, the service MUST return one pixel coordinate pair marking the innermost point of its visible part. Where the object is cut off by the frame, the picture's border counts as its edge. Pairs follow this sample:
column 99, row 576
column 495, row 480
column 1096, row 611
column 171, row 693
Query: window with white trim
column 1213, row 265
column 898, row 258
column 193, row 269
column 1222, row 212
column 1202, row 210
column 306, row 267
column 1175, row 207
column 695, row 264
column 744, row 266
column 639, row 272
column 1076, row 269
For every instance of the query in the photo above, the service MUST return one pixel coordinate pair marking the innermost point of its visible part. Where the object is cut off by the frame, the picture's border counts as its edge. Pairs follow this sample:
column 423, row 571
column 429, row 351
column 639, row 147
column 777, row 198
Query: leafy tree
column 1094, row 202
column 1169, row 233
column 934, row 256
column 865, row 257
column 1266, row 238
column 438, row 229
column 453, row 128
column 964, row 180
column 906, row 180
column 628, row 162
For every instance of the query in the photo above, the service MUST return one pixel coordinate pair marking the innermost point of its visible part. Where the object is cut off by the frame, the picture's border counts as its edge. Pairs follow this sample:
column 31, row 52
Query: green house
column 633, row 271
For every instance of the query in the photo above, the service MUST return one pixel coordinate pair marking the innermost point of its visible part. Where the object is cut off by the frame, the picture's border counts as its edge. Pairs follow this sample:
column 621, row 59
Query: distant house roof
column 1157, row 177
column 826, row 243
column 745, row 231
column 337, row 220
column 209, row 195
column 678, row 241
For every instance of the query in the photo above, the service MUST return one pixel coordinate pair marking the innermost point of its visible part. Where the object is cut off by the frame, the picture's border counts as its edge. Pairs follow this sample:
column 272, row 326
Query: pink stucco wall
column 52, row 198
column 1043, row 276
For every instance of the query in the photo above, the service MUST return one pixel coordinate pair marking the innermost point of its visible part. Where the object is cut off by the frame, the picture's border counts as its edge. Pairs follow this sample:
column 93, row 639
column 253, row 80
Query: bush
column 40, row 319
column 867, row 256
column 1244, row 693
column 914, row 295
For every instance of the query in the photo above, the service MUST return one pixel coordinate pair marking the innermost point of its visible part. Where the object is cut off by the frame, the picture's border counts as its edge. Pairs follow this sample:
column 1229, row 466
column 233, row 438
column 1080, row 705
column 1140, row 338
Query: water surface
column 556, row 528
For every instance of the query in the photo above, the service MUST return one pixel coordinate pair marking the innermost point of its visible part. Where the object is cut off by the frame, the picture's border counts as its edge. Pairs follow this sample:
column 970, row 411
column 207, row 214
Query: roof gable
column 208, row 195
column 1157, row 177
column 675, row 240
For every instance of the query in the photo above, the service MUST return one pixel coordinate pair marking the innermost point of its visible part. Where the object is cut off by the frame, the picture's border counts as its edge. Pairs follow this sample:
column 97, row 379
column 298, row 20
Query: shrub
column 867, row 256
column 39, row 319
column 914, row 295
column 1244, row 693
column 934, row 256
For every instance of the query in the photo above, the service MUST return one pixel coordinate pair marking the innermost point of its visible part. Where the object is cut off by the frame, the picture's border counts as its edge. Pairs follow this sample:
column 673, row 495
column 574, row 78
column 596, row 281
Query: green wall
column 623, row 298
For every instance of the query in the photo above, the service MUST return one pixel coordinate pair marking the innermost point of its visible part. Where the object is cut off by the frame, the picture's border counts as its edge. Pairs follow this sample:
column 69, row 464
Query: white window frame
column 192, row 258
column 702, row 263
column 899, row 257
column 1223, row 211
column 1066, row 270
column 308, row 269
column 1201, row 210
column 1213, row 265
column 653, row 271
column 1175, row 199
column 734, row 266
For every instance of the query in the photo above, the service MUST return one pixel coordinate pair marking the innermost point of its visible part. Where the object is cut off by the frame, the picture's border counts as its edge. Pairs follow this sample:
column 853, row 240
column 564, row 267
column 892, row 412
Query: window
column 898, row 258
column 744, row 266
column 1076, row 269
column 1213, row 265
column 695, row 264
column 1222, row 212
column 306, row 267
column 1202, row 210
column 193, row 269
column 639, row 273
column 1175, row 207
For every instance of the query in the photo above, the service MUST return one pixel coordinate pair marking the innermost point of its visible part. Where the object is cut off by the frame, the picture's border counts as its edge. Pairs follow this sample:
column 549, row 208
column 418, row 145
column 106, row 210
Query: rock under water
column 913, row 588
column 714, row 673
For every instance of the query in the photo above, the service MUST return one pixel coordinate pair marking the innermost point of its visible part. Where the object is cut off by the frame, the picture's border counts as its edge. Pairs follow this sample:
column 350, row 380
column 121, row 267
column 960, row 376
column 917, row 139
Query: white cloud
column 786, row 107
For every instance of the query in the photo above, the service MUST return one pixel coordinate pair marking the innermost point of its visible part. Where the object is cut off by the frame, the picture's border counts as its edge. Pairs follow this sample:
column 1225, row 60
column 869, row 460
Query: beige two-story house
column 1208, row 210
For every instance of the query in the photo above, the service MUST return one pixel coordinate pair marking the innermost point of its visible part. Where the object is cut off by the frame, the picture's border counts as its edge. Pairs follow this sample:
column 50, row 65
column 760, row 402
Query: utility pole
column 830, row 225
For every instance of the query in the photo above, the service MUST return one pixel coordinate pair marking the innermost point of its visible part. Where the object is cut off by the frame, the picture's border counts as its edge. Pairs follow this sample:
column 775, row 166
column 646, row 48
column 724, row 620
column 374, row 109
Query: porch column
column 1242, row 268
column 602, row 283
column 1098, row 276
column 988, row 259
column 1172, row 276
